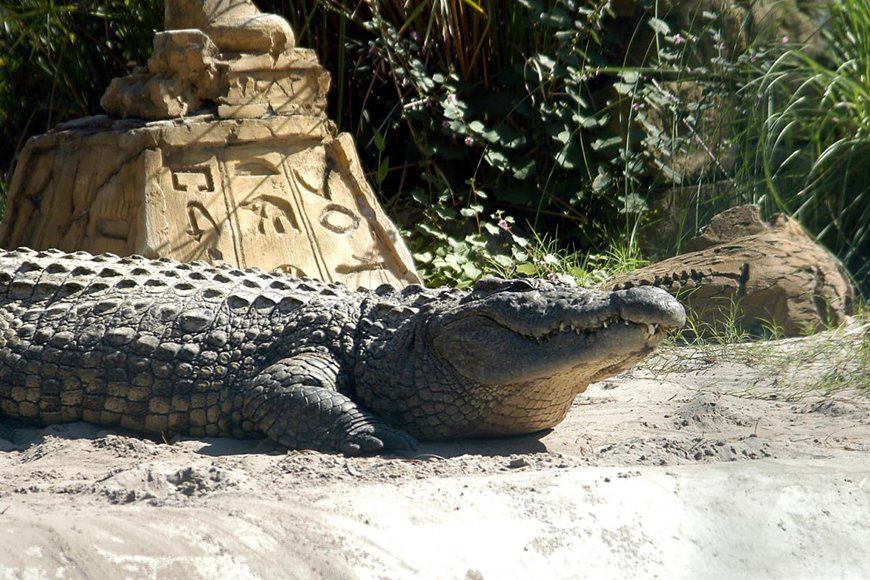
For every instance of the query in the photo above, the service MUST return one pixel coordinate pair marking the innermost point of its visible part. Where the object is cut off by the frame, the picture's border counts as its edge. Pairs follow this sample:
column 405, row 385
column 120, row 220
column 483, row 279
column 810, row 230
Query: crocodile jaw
column 484, row 351
column 523, row 358
column 511, row 338
column 527, row 384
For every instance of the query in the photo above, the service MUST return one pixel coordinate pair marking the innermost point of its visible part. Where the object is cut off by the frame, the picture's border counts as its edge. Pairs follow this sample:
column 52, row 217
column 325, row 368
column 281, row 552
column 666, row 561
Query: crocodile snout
column 650, row 305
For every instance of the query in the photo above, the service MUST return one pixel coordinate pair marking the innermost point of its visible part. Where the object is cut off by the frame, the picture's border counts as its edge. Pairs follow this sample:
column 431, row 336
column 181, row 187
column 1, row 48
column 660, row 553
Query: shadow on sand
column 16, row 435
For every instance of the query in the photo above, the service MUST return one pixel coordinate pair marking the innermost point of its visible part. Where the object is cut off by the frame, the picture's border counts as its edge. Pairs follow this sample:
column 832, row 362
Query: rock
column 697, row 139
column 150, row 97
column 688, row 123
column 756, row 274
column 732, row 224
column 234, row 25
column 224, row 54
column 795, row 21
column 678, row 209
column 220, row 150
column 187, row 53
column 518, row 463
column 683, row 120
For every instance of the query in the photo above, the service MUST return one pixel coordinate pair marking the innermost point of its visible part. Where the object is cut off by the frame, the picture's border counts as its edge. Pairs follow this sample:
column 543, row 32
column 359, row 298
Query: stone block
column 281, row 193
column 234, row 25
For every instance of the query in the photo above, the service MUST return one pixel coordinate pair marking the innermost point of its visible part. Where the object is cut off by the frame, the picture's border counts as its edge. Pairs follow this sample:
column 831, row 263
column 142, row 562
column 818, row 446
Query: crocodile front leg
column 296, row 403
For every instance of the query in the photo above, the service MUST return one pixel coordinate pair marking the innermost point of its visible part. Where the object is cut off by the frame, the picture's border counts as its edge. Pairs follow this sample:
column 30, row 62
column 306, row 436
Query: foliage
column 555, row 118
column 57, row 58
column 502, row 252
column 519, row 108
column 517, row 137
column 808, row 142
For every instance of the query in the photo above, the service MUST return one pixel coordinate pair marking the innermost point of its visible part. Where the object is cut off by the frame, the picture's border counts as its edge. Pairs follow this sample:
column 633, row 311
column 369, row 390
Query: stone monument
column 219, row 150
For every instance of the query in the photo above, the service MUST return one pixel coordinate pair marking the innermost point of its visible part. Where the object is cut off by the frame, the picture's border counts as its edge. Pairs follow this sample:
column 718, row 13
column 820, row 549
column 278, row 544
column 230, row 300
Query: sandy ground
column 697, row 464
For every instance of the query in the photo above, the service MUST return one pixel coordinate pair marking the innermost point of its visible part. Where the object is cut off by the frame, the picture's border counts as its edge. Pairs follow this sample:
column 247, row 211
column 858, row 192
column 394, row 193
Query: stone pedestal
column 220, row 150
column 279, row 194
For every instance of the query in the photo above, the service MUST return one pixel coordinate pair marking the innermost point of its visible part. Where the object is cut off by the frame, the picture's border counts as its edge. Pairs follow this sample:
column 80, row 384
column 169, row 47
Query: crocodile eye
column 489, row 284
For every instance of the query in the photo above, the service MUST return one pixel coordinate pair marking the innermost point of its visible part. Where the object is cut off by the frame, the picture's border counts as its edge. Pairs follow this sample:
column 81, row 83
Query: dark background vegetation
column 515, row 136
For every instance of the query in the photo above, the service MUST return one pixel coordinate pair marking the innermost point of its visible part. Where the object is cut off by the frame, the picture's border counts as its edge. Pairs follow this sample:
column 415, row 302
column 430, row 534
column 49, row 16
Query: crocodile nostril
column 650, row 305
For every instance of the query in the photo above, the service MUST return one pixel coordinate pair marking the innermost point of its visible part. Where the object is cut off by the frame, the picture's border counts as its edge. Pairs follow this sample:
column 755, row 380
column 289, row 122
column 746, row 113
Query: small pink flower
column 469, row 141
column 678, row 39
column 451, row 98
column 636, row 106
column 553, row 277
column 504, row 225
column 783, row 40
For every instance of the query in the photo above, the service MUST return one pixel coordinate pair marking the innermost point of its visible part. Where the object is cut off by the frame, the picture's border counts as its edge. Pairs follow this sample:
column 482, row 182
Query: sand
column 699, row 463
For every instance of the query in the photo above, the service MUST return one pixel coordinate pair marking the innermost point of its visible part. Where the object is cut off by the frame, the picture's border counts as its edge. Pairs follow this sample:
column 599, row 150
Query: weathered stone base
column 282, row 193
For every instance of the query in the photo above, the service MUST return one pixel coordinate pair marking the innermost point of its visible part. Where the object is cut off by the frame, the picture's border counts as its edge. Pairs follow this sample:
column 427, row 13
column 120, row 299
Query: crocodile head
column 509, row 356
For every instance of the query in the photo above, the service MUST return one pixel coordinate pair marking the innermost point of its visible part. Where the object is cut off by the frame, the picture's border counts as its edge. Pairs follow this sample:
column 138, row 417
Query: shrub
column 504, row 135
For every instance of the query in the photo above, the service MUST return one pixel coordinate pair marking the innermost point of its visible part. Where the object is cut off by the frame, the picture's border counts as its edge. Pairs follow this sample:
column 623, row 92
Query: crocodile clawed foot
column 377, row 439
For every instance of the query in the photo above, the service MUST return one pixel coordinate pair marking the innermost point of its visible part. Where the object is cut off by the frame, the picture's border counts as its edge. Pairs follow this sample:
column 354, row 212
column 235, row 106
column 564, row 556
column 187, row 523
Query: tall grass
column 807, row 136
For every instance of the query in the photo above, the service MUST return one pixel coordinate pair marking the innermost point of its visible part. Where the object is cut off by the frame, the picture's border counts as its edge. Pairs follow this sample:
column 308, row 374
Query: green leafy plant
column 572, row 117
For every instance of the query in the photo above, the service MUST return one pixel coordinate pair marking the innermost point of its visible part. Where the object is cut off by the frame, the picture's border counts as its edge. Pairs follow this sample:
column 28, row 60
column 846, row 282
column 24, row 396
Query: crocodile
column 164, row 348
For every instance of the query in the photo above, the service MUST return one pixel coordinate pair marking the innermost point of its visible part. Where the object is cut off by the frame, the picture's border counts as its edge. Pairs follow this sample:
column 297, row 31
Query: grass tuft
column 821, row 365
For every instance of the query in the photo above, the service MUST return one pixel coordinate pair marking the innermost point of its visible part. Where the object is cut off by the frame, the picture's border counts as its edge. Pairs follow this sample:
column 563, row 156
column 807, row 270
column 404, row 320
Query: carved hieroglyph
column 258, row 179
